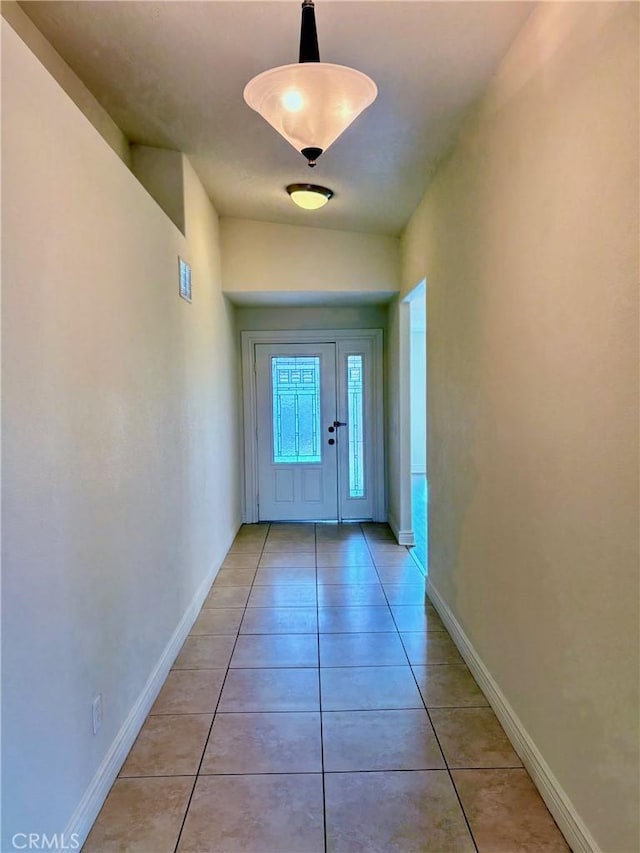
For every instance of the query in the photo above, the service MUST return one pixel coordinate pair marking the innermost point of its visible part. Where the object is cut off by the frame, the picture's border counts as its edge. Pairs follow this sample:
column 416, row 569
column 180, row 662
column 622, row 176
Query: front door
column 297, row 454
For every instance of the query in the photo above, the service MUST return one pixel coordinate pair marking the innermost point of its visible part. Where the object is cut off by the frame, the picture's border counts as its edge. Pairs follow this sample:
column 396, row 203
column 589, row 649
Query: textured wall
column 120, row 438
column 528, row 238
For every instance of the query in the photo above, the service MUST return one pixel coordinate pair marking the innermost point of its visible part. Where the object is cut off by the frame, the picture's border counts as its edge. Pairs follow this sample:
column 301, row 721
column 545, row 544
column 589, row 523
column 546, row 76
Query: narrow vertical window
column 296, row 409
column 355, row 426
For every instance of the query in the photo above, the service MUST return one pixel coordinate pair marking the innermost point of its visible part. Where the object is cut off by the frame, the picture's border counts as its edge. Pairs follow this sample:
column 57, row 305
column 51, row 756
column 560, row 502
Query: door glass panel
column 296, row 409
column 355, row 426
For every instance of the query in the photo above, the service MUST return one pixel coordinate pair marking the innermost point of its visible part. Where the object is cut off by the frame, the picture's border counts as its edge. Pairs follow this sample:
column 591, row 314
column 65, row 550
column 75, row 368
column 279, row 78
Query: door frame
column 250, row 422
column 403, row 525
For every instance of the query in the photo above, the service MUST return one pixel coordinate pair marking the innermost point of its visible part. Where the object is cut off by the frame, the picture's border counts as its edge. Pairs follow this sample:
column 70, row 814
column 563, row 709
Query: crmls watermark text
column 42, row 841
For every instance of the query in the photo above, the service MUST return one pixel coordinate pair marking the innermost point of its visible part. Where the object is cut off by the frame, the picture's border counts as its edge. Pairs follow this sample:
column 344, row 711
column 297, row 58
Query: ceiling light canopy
column 309, row 196
column 311, row 103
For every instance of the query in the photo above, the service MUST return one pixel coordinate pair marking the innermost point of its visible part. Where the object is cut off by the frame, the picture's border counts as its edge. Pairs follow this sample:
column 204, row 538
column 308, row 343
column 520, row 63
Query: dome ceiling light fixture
column 309, row 196
column 310, row 103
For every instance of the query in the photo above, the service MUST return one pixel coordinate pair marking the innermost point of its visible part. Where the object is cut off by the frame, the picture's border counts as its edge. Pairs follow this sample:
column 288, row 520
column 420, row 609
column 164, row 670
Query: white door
column 313, row 426
column 296, row 409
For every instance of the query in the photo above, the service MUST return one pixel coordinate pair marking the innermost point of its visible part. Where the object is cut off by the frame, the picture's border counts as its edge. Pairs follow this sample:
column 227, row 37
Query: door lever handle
column 339, row 423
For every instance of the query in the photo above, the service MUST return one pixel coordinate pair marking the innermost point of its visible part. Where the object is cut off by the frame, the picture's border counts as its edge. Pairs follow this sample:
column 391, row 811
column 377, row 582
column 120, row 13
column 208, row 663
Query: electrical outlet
column 96, row 713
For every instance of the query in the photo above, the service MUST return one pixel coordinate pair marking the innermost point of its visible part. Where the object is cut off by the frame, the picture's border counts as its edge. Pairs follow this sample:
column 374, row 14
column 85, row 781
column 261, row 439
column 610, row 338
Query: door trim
column 250, row 421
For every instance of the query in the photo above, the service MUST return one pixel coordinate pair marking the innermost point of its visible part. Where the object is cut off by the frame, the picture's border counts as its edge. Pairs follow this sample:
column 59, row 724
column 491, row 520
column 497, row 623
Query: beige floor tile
column 347, row 575
column 227, row 596
column 430, row 648
column 336, row 542
column 234, row 577
column 279, row 620
column 381, row 538
column 506, row 813
column 345, row 533
column 205, row 653
column 253, row 532
column 448, row 686
column 383, row 549
column 379, row 740
column 376, row 528
column 292, row 531
column 169, row 746
column 361, row 650
column 264, row 743
column 298, row 560
column 285, row 575
column 284, row 595
column 473, row 737
column 368, row 688
column 290, row 528
column 222, row 620
column 404, row 812
column 289, row 546
column 405, row 593
column 270, row 690
column 408, row 573
column 246, row 546
column 396, row 559
column 344, row 549
column 351, row 595
column 190, row 691
column 416, row 618
column 255, row 814
column 335, row 559
column 241, row 561
column 348, row 620
column 141, row 815
column 255, row 651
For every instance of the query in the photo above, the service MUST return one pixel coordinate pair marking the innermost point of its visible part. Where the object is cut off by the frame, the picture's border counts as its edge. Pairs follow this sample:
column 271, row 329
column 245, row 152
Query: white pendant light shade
column 310, row 103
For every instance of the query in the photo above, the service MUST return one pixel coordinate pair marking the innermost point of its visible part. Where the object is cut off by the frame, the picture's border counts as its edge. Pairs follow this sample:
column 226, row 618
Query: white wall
column 120, row 438
column 333, row 317
column 161, row 173
column 67, row 78
column 528, row 237
column 398, row 423
column 262, row 257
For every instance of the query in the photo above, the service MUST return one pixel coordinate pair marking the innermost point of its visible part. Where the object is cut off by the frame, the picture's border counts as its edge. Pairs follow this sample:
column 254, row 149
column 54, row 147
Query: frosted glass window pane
column 296, row 409
column 355, row 426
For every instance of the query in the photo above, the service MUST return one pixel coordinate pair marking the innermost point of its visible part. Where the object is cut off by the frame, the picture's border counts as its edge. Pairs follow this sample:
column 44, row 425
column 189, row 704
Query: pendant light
column 310, row 103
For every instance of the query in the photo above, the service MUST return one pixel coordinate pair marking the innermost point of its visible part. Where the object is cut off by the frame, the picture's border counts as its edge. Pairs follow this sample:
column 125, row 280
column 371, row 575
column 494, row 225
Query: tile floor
column 319, row 704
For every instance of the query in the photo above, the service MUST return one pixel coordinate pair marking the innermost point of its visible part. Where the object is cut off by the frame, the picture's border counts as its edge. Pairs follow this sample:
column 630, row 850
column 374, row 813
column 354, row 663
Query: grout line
column 320, row 711
column 419, row 707
column 324, row 796
column 224, row 680
column 444, row 758
column 501, row 768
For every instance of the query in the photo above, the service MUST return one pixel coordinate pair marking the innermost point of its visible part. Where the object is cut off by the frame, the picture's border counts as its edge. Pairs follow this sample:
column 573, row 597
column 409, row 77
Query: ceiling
column 171, row 74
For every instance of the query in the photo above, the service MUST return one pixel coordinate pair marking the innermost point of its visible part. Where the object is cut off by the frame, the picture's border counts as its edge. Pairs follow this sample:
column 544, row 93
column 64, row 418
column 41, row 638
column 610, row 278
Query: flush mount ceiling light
column 313, row 102
column 309, row 196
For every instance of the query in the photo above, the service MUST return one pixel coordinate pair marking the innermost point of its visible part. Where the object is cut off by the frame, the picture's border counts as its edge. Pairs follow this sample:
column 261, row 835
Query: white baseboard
column 404, row 537
column 571, row 824
column 89, row 806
